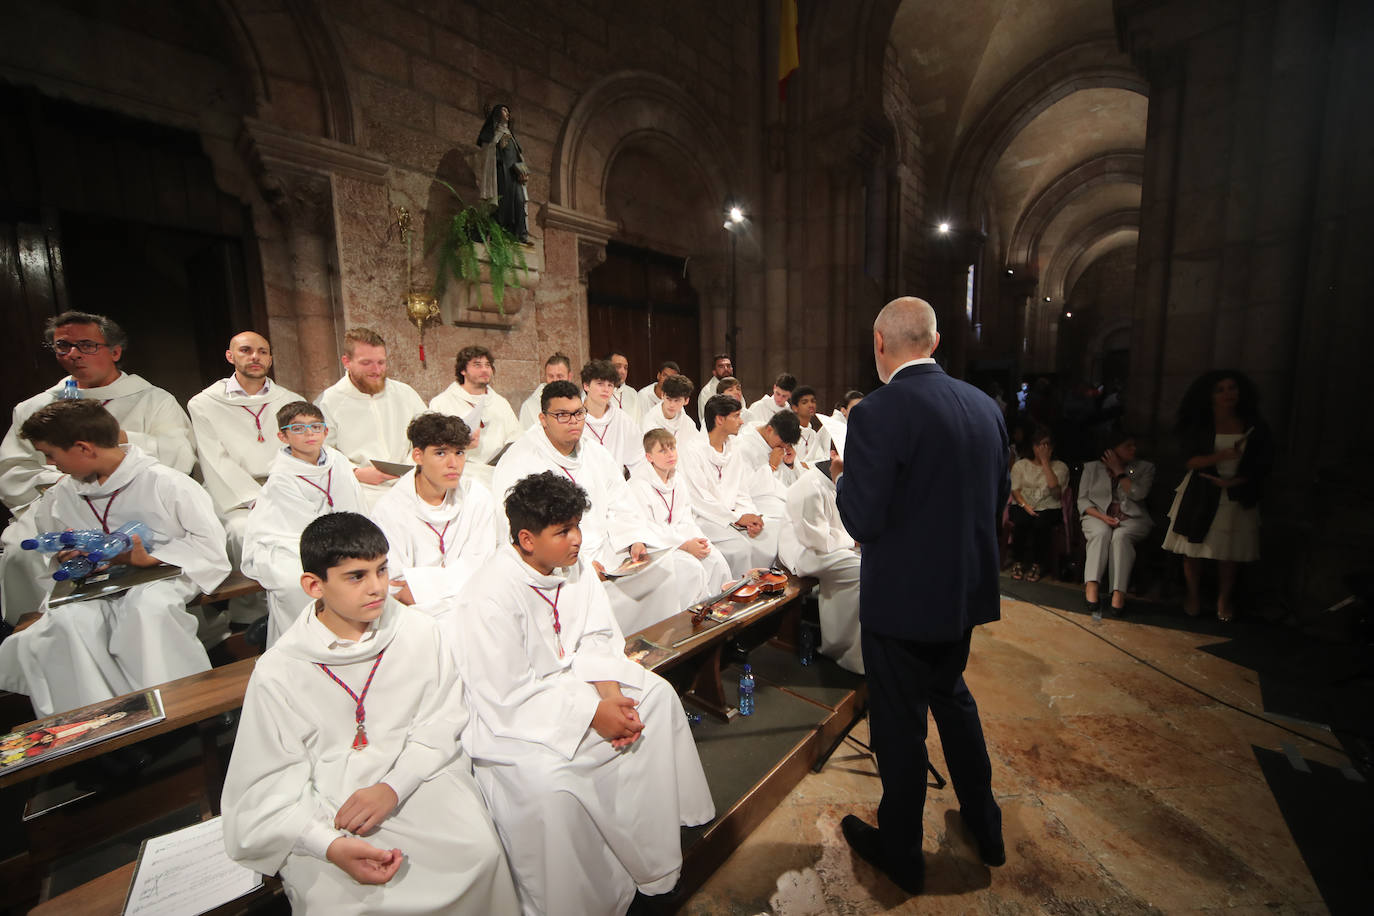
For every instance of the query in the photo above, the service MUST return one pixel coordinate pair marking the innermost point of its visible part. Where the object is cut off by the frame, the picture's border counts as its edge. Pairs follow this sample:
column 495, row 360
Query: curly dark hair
column 467, row 355
column 431, row 428
column 1195, row 409
column 541, row 500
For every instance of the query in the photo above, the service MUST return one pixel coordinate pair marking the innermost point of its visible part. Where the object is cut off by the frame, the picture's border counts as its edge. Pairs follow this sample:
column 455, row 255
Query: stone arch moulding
column 1065, row 267
column 616, row 112
column 1116, row 167
column 1093, row 64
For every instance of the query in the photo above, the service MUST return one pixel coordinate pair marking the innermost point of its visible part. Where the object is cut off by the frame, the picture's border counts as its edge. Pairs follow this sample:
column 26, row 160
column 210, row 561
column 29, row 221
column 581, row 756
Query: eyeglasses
column 564, row 416
column 63, row 347
column 300, row 428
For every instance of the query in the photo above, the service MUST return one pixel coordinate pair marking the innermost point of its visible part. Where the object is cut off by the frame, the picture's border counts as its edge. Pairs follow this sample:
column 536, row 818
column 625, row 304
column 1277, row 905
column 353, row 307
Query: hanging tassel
column 360, row 739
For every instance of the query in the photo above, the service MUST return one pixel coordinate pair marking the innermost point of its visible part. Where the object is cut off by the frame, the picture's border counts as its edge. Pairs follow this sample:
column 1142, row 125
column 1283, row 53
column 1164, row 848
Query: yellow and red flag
column 789, row 56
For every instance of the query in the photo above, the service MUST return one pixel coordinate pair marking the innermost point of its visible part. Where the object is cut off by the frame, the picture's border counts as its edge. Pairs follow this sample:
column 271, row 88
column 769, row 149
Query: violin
column 759, row 581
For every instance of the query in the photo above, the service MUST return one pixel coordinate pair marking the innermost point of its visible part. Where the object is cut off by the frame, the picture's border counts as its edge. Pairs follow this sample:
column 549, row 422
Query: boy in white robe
column 605, row 422
column 234, row 421
column 666, row 501
column 651, row 394
column 148, row 417
column 89, row 651
column 436, row 518
column 368, row 412
column 815, row 543
column 557, row 368
column 776, row 400
column 626, row 398
column 719, row 491
column 470, row 393
column 670, row 413
column 722, row 368
column 813, row 442
column 616, row 530
column 307, row 480
column 347, row 776
column 585, row 758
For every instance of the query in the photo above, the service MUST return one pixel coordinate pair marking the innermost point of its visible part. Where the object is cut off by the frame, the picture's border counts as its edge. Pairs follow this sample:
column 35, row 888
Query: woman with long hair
column 1215, row 515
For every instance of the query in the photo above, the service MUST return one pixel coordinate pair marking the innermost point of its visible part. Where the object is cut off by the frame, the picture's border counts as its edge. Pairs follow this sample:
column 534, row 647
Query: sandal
column 1016, row 571
column 1225, row 616
column 1034, row 574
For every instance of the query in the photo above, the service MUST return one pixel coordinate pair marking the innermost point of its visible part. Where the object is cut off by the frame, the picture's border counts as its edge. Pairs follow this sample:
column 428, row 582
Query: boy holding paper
column 438, row 520
column 488, row 416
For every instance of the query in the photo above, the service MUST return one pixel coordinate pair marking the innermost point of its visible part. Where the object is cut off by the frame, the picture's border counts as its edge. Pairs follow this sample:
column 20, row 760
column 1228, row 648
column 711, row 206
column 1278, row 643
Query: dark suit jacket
column 925, row 479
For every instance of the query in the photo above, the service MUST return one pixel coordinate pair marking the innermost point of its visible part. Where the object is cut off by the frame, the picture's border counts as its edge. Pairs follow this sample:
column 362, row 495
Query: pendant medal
column 360, row 739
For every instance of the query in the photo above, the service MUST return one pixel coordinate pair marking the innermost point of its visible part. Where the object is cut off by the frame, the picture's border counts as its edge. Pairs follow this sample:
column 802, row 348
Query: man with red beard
column 368, row 413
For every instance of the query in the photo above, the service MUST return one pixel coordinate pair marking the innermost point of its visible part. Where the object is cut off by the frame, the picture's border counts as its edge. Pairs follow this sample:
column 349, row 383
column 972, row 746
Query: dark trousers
column 905, row 679
column 1030, row 536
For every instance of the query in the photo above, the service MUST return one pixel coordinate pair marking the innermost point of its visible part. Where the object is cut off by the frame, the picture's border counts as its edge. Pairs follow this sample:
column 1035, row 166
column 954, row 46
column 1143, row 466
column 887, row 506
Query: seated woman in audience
column 1037, row 484
column 1111, row 500
column 1215, row 515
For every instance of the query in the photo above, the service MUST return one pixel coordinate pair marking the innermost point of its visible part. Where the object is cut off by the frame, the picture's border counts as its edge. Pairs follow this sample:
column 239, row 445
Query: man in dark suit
column 921, row 487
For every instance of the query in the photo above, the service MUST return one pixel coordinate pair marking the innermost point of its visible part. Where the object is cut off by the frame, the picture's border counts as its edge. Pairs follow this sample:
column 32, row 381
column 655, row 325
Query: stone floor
column 1122, row 791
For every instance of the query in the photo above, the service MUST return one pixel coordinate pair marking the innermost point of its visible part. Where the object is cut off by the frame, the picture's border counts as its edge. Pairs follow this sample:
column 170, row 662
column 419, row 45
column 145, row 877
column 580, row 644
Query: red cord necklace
column 257, row 418
column 328, row 485
column 557, row 626
column 359, row 713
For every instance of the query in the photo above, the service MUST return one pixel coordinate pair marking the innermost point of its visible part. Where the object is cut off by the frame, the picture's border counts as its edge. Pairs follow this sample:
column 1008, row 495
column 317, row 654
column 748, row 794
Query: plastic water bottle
column 69, row 391
column 53, row 541
column 75, row 568
column 746, row 692
column 120, row 540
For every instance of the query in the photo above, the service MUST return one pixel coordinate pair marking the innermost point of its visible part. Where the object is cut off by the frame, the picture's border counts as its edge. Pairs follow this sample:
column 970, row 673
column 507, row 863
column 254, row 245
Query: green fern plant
column 455, row 244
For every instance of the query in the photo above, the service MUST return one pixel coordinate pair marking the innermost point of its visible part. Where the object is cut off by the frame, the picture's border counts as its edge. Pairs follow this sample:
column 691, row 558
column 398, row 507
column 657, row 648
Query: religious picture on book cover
column 69, row 731
column 648, row 654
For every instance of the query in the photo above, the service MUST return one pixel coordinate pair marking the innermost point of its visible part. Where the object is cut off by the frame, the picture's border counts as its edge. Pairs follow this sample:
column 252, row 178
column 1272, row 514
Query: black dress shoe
column 865, row 840
column 991, row 850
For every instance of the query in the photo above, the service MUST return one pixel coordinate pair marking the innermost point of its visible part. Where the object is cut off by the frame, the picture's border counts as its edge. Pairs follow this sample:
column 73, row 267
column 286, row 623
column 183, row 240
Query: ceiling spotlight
column 1068, row 314
column 1048, row 299
column 944, row 228
column 736, row 215
column 1010, row 272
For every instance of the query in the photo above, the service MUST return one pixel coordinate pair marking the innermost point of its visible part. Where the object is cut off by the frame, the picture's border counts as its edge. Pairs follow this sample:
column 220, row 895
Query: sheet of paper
column 629, row 569
column 187, row 873
column 474, row 416
column 433, row 583
column 837, row 431
column 394, row 468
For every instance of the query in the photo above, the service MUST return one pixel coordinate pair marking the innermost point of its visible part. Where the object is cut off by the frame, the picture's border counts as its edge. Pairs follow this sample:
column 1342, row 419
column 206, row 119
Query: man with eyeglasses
column 89, row 347
column 615, row 529
column 474, row 368
column 235, row 425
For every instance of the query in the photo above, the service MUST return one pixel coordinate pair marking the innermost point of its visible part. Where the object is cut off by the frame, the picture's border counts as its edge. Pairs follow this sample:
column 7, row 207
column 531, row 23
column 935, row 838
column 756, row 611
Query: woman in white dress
column 1215, row 514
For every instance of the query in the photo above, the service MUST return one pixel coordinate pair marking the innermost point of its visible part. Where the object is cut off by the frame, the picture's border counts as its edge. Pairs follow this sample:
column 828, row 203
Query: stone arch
column 1118, row 166
column 1093, row 64
column 1074, row 255
column 627, row 108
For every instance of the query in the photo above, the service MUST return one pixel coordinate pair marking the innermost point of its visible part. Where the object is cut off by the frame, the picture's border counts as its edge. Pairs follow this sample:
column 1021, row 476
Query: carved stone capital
column 293, row 170
column 590, row 255
column 592, row 234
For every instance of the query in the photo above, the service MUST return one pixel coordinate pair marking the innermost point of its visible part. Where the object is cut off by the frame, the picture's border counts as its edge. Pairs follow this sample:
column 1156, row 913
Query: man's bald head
column 251, row 356
column 904, row 330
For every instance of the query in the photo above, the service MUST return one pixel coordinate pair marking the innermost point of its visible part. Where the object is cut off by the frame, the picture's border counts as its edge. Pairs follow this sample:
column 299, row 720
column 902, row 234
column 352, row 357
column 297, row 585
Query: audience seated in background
column 1111, row 499
column 1037, row 485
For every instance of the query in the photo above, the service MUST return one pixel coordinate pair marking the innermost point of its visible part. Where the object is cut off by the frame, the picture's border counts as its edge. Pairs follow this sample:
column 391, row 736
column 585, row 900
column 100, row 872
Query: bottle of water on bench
column 120, row 540
column 53, row 541
column 746, row 692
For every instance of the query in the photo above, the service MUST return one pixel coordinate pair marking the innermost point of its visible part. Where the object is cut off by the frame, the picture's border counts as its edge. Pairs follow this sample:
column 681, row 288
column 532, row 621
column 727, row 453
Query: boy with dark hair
column 651, row 394
column 722, row 368
column 557, row 368
column 730, row 386
column 349, row 730
column 608, row 424
column 307, row 480
column 625, row 397
column 813, row 444
column 89, row 651
column 670, row 413
column 438, row 520
column 719, row 490
column 667, row 502
column 472, row 399
column 585, row 758
column 774, row 401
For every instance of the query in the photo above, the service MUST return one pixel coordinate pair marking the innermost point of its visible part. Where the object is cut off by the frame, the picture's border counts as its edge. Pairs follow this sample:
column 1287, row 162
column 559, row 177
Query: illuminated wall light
column 1068, row 314
column 736, row 215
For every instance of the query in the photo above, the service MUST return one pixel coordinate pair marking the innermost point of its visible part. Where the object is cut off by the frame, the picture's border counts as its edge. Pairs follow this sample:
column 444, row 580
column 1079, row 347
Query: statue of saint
column 504, row 173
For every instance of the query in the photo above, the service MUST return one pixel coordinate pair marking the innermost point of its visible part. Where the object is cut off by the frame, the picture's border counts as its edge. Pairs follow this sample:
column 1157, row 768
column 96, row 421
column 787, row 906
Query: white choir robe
column 707, row 392
column 815, row 543
column 529, row 408
column 719, row 495
column 767, row 488
column 813, row 446
column 368, row 426
column 609, row 528
column 436, row 549
column 618, row 434
column 151, row 419
column 682, row 426
column 762, row 410
column 92, row 650
column 648, row 400
column 583, row 824
column 236, row 441
column 499, row 425
column 627, row 399
column 668, row 507
column 296, row 493
column 293, row 767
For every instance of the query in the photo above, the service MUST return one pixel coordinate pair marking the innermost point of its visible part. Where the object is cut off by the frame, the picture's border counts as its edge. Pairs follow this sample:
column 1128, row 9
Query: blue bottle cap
column 29, row 544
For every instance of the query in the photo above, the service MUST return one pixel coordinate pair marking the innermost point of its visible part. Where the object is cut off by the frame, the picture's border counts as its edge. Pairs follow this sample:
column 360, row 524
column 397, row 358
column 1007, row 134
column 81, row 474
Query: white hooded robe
column 498, row 425
column 368, row 426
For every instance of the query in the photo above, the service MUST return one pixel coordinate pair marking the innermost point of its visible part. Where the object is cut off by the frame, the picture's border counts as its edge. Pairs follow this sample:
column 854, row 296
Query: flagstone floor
column 1123, row 790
